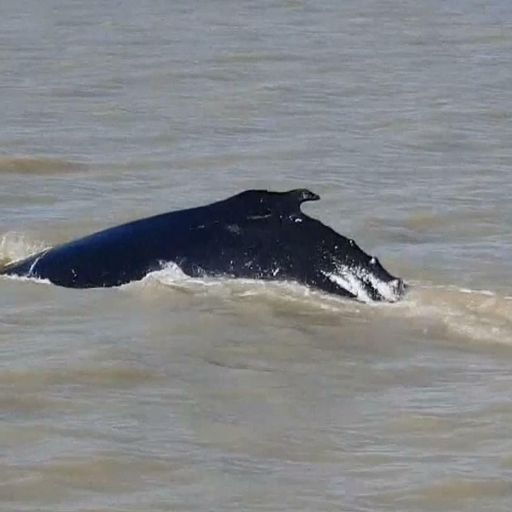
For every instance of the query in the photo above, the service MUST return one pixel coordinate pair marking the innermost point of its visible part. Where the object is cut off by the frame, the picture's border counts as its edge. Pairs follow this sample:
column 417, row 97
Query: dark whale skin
column 256, row 234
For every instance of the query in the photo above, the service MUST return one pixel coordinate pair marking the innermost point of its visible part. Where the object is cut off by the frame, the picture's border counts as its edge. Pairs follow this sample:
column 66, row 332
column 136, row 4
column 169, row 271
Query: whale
column 256, row 234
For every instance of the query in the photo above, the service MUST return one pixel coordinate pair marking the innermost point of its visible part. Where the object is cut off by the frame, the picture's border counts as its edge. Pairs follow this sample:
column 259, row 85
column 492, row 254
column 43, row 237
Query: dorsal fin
column 296, row 196
column 259, row 204
column 301, row 195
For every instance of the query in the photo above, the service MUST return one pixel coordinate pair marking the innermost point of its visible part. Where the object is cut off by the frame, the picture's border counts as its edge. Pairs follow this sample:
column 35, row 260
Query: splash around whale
column 256, row 234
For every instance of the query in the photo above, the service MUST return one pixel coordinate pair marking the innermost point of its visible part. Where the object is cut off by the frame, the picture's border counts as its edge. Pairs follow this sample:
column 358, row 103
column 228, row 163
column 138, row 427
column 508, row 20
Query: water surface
column 178, row 394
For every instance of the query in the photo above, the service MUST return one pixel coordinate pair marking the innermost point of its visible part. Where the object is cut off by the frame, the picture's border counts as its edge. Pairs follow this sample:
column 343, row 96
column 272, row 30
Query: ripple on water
column 15, row 402
column 461, row 491
column 97, row 376
column 99, row 473
column 38, row 165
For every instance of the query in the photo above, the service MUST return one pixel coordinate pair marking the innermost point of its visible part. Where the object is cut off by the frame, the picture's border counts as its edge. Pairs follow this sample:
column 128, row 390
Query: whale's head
column 305, row 248
column 361, row 274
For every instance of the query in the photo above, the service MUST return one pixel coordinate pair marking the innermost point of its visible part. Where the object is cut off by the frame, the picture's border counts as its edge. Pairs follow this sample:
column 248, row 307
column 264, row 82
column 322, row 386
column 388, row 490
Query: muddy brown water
column 178, row 394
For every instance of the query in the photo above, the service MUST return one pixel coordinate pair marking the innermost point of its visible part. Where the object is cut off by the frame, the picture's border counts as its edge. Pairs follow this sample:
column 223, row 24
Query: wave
column 440, row 311
column 36, row 165
column 475, row 315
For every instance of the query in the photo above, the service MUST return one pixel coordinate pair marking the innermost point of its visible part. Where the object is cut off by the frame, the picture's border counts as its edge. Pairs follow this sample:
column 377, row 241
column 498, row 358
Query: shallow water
column 181, row 394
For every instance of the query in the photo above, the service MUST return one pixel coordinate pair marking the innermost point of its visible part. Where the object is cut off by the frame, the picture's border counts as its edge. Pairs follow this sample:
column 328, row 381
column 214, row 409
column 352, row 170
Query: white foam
column 349, row 282
column 460, row 313
column 32, row 279
column 17, row 246
column 354, row 280
column 385, row 290
column 226, row 287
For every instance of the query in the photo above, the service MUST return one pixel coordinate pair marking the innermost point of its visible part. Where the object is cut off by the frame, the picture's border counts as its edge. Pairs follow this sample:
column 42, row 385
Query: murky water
column 177, row 394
